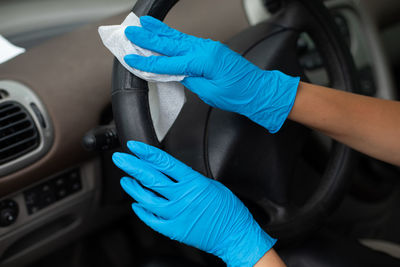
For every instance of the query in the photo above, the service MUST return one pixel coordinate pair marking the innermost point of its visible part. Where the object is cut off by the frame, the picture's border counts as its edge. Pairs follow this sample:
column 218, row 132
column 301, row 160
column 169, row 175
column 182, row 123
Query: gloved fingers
column 148, row 40
column 143, row 172
column 195, row 84
column 149, row 200
column 140, row 194
column 179, row 65
column 156, row 223
column 161, row 161
column 198, row 85
column 160, row 28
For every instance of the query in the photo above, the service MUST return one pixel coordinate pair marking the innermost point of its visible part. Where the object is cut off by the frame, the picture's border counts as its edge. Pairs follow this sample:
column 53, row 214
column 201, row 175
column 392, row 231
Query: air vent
column 18, row 133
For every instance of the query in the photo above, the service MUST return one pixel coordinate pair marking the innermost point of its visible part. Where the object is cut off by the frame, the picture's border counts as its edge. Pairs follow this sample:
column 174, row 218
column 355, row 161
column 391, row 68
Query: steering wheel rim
column 133, row 120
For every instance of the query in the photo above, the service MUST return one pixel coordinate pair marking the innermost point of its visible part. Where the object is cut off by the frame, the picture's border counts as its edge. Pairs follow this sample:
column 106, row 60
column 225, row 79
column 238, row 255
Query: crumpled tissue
column 166, row 94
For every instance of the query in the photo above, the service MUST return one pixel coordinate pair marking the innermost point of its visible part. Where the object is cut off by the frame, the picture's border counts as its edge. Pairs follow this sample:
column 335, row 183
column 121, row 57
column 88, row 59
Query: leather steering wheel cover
column 130, row 100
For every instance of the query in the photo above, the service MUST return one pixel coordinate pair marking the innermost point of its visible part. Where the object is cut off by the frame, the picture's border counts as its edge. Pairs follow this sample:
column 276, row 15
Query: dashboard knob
column 101, row 139
column 8, row 212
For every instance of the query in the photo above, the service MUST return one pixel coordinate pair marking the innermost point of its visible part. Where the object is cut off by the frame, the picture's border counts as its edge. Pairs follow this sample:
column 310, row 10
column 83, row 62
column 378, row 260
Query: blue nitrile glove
column 219, row 76
column 196, row 210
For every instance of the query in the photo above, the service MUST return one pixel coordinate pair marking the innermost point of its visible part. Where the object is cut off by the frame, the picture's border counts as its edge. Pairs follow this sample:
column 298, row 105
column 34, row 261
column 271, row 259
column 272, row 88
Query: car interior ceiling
column 84, row 219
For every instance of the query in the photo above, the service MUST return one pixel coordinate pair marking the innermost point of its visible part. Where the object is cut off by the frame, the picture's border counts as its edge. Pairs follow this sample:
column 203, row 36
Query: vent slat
column 5, row 108
column 11, row 116
column 30, row 128
column 18, row 143
column 5, row 158
column 4, row 128
column 18, row 132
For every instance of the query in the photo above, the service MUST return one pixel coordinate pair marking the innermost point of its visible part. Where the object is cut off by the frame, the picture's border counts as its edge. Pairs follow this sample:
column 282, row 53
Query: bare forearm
column 367, row 124
column 270, row 259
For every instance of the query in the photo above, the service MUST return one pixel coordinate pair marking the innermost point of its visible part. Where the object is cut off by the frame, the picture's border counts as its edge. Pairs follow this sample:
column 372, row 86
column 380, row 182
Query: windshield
column 29, row 22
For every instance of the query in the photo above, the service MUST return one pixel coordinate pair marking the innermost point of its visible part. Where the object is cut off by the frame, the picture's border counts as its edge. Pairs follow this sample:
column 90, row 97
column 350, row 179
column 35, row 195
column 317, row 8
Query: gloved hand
column 194, row 209
column 220, row 77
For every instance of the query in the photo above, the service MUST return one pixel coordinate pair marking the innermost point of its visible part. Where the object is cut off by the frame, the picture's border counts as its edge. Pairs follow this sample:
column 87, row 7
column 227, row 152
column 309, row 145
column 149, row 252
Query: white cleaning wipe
column 166, row 94
column 8, row 50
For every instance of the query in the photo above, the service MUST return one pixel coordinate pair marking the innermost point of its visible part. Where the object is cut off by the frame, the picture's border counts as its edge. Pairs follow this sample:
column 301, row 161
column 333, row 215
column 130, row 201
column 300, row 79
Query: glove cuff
column 275, row 106
column 244, row 253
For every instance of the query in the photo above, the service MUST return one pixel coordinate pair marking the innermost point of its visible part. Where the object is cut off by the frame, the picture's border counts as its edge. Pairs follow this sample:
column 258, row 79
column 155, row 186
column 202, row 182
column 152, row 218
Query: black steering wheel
column 259, row 167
